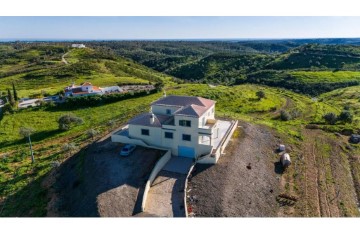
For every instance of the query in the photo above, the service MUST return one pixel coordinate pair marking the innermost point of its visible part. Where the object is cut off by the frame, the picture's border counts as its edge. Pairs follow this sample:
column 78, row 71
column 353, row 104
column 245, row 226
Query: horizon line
column 169, row 39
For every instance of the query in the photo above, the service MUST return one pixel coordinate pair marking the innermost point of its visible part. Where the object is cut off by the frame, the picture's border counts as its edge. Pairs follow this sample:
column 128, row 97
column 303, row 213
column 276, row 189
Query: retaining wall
column 158, row 167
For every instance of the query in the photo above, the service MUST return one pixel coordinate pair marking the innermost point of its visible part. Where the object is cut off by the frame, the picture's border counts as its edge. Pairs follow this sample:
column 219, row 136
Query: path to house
column 63, row 58
column 166, row 196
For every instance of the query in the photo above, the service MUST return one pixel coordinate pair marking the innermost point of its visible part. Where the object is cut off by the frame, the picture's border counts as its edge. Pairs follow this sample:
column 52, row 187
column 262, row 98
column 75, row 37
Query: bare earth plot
column 325, row 176
column 243, row 183
column 99, row 182
column 247, row 181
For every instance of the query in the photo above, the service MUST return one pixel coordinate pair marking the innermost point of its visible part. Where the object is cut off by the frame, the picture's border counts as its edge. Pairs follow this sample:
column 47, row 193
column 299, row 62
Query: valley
column 325, row 172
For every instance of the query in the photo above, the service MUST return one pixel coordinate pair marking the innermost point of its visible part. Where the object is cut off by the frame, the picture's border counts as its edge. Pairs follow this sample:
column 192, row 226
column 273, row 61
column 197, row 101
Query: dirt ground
column 248, row 179
column 99, row 182
column 324, row 176
column 166, row 196
column 244, row 182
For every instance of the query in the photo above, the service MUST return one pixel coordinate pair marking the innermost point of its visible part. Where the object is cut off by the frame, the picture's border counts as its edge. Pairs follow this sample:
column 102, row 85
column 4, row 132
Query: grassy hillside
column 316, row 56
column 19, row 177
column 306, row 66
column 308, row 82
column 40, row 69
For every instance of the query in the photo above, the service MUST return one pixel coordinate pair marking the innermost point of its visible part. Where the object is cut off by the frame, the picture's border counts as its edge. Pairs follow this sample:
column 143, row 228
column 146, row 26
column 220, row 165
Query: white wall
column 154, row 138
column 209, row 114
column 157, row 168
column 161, row 110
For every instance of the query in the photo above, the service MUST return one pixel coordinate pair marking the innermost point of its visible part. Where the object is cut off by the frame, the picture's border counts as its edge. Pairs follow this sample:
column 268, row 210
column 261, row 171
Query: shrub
column 330, row 118
column 91, row 133
column 66, row 121
column 7, row 108
column 260, row 94
column 346, row 117
column 284, row 115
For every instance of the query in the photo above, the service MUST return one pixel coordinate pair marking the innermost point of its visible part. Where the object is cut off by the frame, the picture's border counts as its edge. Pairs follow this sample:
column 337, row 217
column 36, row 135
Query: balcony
column 209, row 127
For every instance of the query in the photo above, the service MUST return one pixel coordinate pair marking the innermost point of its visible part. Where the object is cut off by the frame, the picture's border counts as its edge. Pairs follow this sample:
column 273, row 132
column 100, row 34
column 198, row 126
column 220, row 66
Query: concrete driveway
column 166, row 195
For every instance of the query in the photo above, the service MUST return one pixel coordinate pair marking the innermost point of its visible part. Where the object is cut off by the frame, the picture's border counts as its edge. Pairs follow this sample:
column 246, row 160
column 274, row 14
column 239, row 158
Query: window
column 169, row 135
column 168, row 111
column 186, row 137
column 145, row 132
column 185, row 123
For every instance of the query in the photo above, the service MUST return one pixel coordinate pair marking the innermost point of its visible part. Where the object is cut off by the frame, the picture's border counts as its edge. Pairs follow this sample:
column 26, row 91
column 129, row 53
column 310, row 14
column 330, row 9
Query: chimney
column 152, row 118
column 164, row 93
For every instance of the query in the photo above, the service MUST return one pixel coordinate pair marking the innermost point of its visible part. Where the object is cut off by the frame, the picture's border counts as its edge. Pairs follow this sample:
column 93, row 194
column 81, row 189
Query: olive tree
column 330, row 118
column 69, row 147
column 67, row 120
column 92, row 133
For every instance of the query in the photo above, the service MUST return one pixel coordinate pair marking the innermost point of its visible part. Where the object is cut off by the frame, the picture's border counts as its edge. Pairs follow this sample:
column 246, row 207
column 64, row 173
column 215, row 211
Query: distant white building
column 85, row 89
column 78, row 46
column 112, row 89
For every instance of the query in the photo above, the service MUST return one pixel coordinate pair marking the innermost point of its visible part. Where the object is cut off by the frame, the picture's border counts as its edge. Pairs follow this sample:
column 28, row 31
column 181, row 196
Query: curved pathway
column 166, row 195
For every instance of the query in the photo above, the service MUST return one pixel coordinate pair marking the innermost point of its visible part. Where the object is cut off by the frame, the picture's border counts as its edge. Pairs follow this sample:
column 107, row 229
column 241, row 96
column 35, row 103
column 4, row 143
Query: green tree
column 15, row 93
column 330, row 118
column 260, row 94
column 346, row 117
column 7, row 108
column 66, row 121
column 11, row 98
column 26, row 133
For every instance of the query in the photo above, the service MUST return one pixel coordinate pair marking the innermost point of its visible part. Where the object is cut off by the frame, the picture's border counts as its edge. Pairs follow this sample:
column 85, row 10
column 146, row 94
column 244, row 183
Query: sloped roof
column 181, row 101
column 144, row 120
column 191, row 110
column 190, row 106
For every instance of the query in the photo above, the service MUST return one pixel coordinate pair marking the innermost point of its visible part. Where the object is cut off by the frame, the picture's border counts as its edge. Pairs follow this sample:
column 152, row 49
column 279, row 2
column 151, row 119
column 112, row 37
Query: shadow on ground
column 98, row 182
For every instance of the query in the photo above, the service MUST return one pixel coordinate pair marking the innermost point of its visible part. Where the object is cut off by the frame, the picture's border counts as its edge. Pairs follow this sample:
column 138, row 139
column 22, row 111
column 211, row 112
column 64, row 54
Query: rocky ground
column 244, row 183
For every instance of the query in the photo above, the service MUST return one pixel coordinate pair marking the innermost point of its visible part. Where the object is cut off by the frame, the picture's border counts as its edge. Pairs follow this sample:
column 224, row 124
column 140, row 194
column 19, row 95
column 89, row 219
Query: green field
column 325, row 76
column 32, row 78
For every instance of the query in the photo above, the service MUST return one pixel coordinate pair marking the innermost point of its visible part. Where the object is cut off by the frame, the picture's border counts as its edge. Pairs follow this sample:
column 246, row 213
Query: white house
column 112, row 89
column 85, row 89
column 78, row 46
column 186, row 125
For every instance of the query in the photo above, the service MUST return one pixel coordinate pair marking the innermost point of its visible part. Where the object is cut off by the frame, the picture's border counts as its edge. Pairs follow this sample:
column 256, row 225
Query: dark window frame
column 145, row 130
column 185, row 123
column 186, row 135
column 169, row 133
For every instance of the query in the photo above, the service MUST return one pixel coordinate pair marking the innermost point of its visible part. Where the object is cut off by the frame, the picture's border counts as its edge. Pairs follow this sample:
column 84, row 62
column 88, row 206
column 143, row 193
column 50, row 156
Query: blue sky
column 97, row 28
